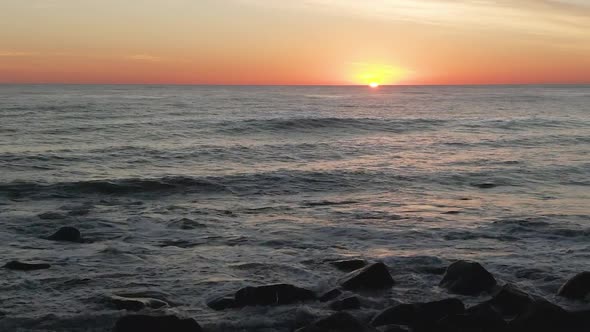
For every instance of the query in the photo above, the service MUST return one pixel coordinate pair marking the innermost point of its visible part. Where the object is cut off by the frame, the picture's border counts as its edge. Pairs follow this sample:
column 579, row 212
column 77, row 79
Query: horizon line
column 292, row 85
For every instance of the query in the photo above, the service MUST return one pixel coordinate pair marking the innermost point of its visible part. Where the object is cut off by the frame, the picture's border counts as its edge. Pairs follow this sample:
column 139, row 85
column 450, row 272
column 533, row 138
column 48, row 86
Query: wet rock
column 349, row 303
column 374, row 276
column 66, row 234
column 330, row 295
column 542, row 316
column 467, row 278
column 510, row 300
column 481, row 318
column 144, row 323
column 278, row 294
column 577, row 288
column 19, row 266
column 419, row 315
column 338, row 322
column 136, row 304
column 222, row 303
column 349, row 265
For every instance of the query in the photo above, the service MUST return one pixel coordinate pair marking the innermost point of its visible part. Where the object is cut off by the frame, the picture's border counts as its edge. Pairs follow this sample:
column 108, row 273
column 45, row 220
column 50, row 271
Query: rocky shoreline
column 506, row 308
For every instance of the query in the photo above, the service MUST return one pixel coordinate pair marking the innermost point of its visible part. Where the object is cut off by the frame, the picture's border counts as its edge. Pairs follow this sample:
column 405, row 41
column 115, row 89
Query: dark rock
column 136, row 304
column 401, row 314
column 481, row 318
column 349, row 265
column 395, row 328
column 19, row 266
column 467, row 278
column 348, row 303
column 330, row 295
column 272, row 295
column 66, row 234
column 143, row 323
column 510, row 301
column 581, row 320
column 542, row 316
column 374, row 276
column 419, row 315
column 222, row 303
column 577, row 288
column 338, row 322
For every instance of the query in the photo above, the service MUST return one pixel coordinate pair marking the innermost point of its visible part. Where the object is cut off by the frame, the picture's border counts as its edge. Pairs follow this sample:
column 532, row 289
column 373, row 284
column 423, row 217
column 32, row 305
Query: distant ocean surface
column 190, row 192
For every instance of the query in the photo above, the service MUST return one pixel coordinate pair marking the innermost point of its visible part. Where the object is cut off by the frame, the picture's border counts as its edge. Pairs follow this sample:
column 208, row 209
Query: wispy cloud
column 143, row 57
column 15, row 54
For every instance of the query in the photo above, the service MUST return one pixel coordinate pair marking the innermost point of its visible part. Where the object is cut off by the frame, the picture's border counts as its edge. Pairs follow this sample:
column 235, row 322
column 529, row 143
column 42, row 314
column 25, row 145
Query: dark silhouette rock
column 419, row 315
column 374, row 276
column 348, row 303
column 19, row 266
column 542, row 316
column 481, row 318
column 349, row 265
column 272, row 295
column 338, row 322
column 577, row 288
column 222, row 303
column 136, row 304
column 395, row 328
column 144, row 323
column 467, row 278
column 67, row 234
column 330, row 295
column 510, row 301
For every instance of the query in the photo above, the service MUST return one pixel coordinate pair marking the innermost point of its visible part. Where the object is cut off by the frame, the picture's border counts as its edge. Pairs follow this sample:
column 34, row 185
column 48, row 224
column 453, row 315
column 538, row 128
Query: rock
column 542, row 316
column 222, row 303
column 144, row 323
column 419, row 315
column 348, row 303
column 467, row 278
column 482, row 318
column 395, row 328
column 136, row 304
column 374, row 276
column 19, row 266
column 330, row 295
column 272, row 295
column 577, row 288
column 510, row 301
column 66, row 234
column 338, row 322
column 349, row 265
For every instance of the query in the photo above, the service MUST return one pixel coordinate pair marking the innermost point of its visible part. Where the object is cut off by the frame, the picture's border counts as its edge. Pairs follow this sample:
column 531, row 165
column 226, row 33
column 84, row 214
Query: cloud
column 144, row 57
column 16, row 54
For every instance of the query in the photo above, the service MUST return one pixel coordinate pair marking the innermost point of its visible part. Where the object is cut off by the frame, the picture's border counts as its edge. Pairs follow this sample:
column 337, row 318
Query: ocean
column 185, row 193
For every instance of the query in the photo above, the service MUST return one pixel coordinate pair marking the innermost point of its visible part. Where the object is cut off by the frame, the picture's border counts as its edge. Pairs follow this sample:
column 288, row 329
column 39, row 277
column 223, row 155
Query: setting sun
column 374, row 85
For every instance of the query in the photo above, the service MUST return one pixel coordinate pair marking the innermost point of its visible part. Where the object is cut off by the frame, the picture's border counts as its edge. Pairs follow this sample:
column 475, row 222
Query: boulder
column 349, row 265
column 577, row 288
column 482, row 318
column 419, row 315
column 136, row 304
column 468, row 278
column 510, row 300
column 222, row 303
column 542, row 316
column 330, row 295
column 349, row 303
column 66, row 234
column 19, row 266
column 374, row 276
column 272, row 295
column 338, row 322
column 144, row 323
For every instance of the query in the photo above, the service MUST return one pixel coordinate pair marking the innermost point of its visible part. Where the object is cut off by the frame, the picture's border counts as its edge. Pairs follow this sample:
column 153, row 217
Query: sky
column 295, row 41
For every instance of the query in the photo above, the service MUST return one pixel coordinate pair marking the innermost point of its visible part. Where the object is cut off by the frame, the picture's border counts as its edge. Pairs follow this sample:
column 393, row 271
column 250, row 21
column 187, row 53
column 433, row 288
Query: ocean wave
column 327, row 123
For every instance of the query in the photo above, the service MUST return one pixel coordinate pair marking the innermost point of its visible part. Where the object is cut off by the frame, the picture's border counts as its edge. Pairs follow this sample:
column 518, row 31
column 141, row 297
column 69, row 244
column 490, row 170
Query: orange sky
column 295, row 42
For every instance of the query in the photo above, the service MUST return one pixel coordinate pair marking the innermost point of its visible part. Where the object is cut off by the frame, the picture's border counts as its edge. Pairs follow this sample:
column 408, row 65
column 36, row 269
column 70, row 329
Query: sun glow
column 374, row 75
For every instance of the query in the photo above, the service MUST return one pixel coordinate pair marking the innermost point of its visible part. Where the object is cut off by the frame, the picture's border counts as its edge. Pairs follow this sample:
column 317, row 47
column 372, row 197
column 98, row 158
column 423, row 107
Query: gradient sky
column 295, row 41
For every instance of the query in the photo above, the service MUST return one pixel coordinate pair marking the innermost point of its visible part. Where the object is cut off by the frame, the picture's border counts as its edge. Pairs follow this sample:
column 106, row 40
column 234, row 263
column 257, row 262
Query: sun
column 374, row 85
